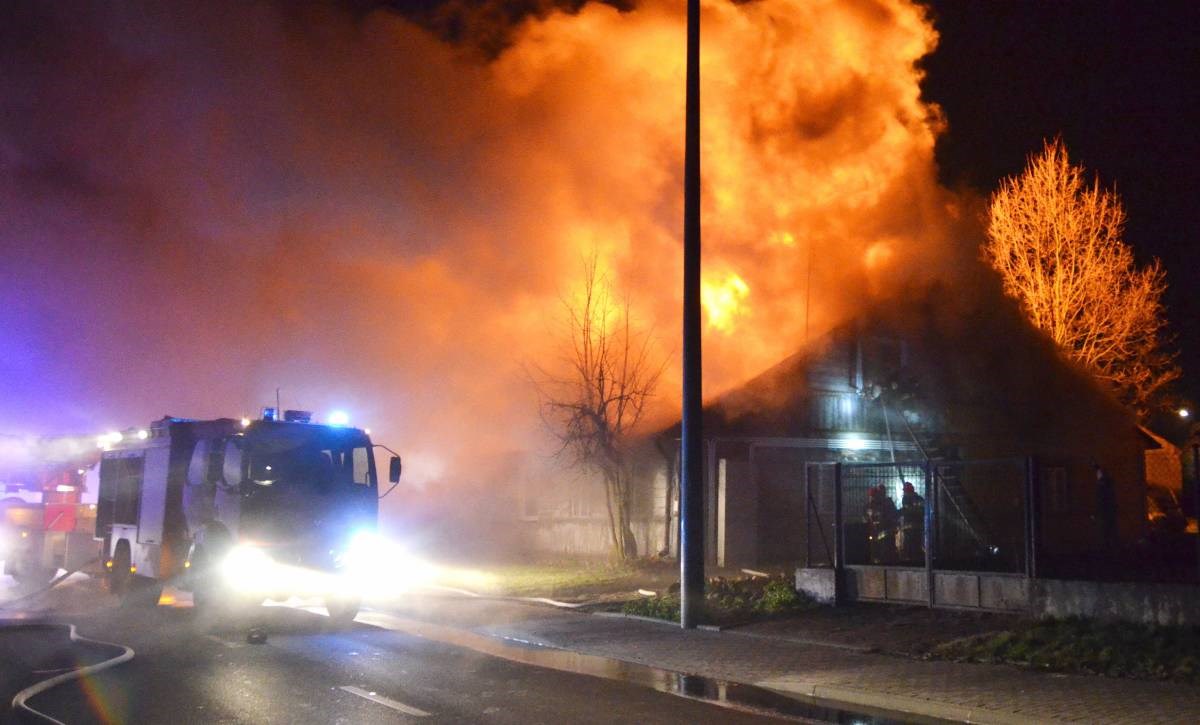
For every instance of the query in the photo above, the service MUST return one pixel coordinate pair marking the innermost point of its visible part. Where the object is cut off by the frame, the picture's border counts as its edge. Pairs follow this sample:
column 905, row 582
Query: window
column 349, row 465
column 362, row 466
column 121, row 488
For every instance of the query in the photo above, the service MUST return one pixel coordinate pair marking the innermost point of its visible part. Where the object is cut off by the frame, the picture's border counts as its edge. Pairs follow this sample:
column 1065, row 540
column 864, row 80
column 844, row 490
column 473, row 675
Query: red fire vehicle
column 47, row 514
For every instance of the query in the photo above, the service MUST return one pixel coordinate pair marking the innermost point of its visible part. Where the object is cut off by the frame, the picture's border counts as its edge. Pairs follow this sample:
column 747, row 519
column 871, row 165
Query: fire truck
column 46, row 515
column 241, row 510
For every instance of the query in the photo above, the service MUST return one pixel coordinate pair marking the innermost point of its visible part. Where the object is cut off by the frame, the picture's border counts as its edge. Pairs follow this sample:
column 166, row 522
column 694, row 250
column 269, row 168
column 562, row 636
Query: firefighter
column 881, row 526
column 911, row 539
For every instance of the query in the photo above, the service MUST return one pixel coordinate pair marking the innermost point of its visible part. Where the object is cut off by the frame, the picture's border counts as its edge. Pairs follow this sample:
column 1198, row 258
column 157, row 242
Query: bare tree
column 594, row 406
column 1057, row 243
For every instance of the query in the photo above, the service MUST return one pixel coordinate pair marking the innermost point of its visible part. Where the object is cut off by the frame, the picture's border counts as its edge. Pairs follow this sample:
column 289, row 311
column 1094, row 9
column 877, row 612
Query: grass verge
column 572, row 580
column 730, row 601
column 1086, row 646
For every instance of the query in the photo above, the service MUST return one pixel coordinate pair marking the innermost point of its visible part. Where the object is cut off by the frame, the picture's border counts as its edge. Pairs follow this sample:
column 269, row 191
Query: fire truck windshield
column 311, row 463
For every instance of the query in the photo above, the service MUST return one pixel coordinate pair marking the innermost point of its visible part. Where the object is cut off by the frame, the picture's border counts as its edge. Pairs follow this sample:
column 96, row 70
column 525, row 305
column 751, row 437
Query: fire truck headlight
column 364, row 554
column 246, row 567
column 379, row 567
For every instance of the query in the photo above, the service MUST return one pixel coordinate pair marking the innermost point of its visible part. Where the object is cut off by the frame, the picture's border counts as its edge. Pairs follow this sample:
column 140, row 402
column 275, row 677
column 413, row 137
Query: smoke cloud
column 200, row 203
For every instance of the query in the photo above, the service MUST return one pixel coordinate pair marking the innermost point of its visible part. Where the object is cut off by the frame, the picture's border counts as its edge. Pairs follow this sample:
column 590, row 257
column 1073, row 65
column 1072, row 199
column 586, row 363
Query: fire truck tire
column 119, row 575
column 342, row 611
column 211, row 543
column 201, row 578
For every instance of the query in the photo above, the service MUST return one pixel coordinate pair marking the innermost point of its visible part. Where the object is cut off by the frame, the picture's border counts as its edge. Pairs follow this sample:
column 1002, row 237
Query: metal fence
column 982, row 521
column 962, row 515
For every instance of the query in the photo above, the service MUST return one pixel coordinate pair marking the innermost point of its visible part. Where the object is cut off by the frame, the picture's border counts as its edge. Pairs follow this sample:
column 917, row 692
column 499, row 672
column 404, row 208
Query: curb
column 827, row 697
column 890, row 702
column 733, row 629
column 898, row 707
column 654, row 620
column 886, row 703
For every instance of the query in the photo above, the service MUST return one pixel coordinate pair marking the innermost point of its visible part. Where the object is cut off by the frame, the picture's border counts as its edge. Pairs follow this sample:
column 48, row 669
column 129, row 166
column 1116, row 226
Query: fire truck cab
column 239, row 509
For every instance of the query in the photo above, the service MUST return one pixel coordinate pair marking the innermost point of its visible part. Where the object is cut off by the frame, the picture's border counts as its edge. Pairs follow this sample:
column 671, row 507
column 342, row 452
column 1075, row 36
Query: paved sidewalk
column 957, row 691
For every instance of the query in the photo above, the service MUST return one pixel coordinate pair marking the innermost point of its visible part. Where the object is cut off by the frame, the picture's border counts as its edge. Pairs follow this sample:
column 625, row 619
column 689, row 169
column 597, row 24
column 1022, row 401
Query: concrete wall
column 1161, row 604
column 981, row 590
column 892, row 584
column 816, row 583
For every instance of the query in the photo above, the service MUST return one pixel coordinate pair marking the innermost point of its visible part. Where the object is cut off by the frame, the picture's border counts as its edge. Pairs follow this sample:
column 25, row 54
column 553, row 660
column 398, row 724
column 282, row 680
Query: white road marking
column 388, row 702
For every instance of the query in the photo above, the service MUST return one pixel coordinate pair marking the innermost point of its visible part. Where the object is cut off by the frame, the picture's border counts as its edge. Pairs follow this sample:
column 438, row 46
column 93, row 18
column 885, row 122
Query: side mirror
column 394, row 470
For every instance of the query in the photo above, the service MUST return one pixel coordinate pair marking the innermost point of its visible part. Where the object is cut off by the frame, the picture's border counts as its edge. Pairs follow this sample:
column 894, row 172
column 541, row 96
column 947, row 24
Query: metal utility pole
column 691, row 486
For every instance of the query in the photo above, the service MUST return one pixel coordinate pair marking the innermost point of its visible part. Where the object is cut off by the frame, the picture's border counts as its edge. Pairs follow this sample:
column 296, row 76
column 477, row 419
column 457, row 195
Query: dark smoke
column 484, row 25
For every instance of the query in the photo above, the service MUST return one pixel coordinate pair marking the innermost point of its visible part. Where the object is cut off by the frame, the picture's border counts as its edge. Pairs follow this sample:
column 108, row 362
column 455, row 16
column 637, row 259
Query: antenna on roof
column 807, row 293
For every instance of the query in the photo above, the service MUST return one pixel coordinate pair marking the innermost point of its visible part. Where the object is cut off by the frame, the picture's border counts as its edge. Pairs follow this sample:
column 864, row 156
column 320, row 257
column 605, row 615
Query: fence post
column 807, row 520
column 1033, row 517
column 839, row 556
column 931, row 495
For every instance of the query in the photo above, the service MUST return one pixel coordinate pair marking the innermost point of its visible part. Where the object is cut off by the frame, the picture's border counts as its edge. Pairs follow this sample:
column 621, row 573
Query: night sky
column 1118, row 81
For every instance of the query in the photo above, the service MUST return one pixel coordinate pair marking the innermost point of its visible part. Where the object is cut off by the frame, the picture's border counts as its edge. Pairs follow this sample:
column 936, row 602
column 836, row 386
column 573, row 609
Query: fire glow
column 723, row 301
column 404, row 216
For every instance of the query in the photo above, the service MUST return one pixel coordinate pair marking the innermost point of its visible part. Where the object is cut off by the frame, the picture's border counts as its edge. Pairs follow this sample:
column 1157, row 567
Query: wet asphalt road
column 188, row 670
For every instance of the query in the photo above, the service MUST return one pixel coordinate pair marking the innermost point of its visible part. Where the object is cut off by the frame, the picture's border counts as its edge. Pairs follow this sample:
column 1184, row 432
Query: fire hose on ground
column 20, row 700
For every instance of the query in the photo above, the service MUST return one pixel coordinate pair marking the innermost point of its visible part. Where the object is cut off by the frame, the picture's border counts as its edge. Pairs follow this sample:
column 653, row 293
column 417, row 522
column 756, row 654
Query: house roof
column 971, row 357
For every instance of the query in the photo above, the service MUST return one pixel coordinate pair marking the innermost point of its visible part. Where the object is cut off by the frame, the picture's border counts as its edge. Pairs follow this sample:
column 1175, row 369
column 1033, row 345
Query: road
column 189, row 670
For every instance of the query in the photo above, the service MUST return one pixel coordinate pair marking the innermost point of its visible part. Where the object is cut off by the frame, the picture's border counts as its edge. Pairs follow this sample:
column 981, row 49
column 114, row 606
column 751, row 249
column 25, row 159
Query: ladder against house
column 961, row 510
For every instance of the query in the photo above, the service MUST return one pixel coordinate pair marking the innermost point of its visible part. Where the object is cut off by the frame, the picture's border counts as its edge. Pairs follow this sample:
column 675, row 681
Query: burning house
column 950, row 381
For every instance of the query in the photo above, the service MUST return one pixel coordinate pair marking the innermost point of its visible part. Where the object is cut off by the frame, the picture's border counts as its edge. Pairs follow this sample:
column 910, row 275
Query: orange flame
column 723, row 301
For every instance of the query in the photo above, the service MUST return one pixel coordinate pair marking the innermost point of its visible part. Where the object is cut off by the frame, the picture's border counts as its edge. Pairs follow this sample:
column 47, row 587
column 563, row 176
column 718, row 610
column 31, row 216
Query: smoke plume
column 202, row 202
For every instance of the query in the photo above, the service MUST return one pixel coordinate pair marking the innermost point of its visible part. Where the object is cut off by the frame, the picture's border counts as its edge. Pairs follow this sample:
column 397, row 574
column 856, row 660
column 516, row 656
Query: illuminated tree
column 594, row 406
column 1057, row 243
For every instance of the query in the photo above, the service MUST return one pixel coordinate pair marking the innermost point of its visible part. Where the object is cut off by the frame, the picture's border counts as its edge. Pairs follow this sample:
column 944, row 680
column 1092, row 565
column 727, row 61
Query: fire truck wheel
column 212, row 542
column 119, row 575
column 201, row 579
column 342, row 611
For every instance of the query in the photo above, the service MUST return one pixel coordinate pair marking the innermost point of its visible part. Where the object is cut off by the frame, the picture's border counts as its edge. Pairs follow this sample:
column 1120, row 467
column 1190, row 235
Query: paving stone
column 989, row 693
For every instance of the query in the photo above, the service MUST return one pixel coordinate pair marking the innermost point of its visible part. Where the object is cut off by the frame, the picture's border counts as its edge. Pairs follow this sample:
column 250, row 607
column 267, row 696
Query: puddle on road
column 727, row 694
